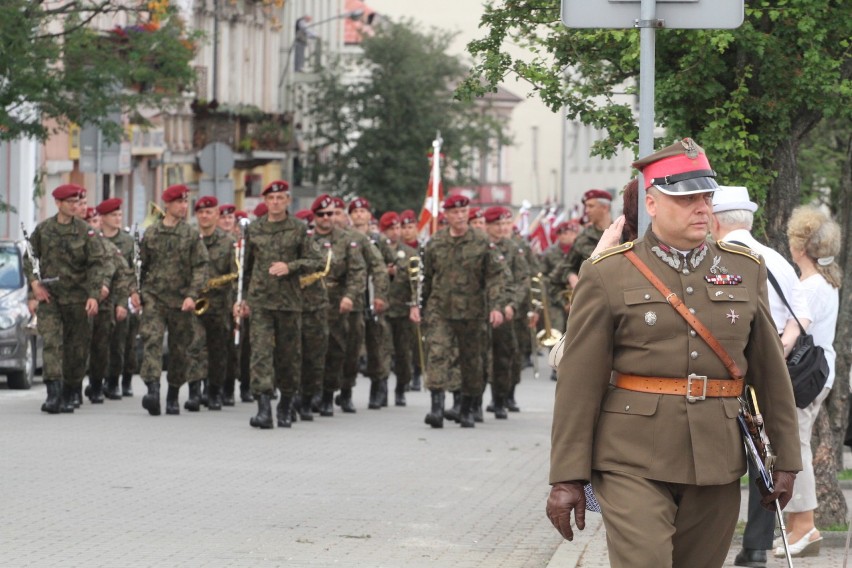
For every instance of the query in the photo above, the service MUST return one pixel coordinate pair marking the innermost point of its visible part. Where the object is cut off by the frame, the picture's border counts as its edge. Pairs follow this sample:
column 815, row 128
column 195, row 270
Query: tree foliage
column 374, row 118
column 56, row 68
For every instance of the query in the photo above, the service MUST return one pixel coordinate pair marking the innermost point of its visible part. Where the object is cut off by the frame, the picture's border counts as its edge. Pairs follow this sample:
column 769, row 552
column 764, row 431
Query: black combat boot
column 205, row 392
column 399, row 394
column 466, row 413
column 511, row 405
column 383, row 391
column 172, row 405
column 77, row 397
column 344, row 401
column 375, row 395
column 67, row 399
column 53, row 402
column 127, row 384
column 263, row 419
column 294, row 410
column 477, row 409
column 500, row 408
column 245, row 392
column 214, row 398
column 228, row 392
column 111, row 389
column 316, row 401
column 151, row 401
column 193, row 403
column 96, row 393
column 453, row 413
column 415, row 381
column 435, row 418
column 326, row 408
column 284, row 412
column 305, row 410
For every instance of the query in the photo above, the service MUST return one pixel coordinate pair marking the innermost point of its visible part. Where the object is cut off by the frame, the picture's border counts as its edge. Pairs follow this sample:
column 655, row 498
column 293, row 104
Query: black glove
column 782, row 481
column 567, row 496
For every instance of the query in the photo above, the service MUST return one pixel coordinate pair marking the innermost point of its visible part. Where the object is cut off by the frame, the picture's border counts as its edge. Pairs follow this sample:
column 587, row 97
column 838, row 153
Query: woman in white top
column 814, row 242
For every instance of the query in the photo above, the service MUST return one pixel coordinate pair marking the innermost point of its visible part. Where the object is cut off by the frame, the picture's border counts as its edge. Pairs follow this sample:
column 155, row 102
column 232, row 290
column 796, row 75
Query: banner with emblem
column 427, row 224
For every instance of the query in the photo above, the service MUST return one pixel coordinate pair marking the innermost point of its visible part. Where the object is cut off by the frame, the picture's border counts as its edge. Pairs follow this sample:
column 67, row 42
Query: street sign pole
column 647, row 24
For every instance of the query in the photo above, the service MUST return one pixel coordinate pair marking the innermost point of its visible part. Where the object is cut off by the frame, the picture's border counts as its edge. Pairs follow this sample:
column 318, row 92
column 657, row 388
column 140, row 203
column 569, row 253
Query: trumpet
column 202, row 304
column 547, row 337
column 415, row 279
column 308, row 279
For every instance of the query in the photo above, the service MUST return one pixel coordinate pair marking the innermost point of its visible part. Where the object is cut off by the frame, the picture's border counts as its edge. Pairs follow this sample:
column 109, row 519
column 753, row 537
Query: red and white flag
column 427, row 224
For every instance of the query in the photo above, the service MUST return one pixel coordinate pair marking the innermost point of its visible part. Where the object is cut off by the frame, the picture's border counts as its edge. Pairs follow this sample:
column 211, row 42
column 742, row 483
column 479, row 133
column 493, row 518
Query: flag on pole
column 427, row 224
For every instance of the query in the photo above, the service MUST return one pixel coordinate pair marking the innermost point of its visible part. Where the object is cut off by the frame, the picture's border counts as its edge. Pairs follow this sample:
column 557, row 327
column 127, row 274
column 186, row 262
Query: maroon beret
column 91, row 212
column 68, row 191
column 324, row 201
column 109, row 205
column 260, row 210
column 359, row 203
column 227, row 209
column 497, row 213
column 388, row 220
column 565, row 226
column 206, row 202
column 339, row 203
column 475, row 213
column 175, row 192
column 240, row 215
column 455, row 201
column 597, row 194
column 305, row 215
column 277, row 186
column 407, row 217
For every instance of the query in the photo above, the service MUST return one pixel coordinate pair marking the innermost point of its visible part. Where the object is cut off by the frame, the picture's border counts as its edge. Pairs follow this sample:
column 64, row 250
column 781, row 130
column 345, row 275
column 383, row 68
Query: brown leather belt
column 694, row 387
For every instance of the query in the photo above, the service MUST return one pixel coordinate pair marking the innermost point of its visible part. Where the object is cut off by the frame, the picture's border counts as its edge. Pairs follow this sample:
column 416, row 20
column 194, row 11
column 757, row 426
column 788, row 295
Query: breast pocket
column 648, row 317
column 732, row 311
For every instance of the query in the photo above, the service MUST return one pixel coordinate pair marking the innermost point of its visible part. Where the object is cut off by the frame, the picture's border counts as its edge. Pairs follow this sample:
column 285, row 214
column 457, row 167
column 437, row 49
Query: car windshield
column 11, row 277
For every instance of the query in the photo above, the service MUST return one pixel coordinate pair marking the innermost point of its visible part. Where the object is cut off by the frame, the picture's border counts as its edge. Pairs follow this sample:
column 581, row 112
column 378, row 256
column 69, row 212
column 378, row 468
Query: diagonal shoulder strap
column 690, row 318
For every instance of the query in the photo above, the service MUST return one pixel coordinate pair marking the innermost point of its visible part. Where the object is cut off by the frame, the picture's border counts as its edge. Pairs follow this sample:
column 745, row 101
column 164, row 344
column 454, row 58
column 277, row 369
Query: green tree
column 56, row 69
column 750, row 96
column 372, row 135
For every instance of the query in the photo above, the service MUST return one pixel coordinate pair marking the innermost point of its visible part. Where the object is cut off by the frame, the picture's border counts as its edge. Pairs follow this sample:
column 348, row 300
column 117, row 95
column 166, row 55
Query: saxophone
column 202, row 304
column 308, row 279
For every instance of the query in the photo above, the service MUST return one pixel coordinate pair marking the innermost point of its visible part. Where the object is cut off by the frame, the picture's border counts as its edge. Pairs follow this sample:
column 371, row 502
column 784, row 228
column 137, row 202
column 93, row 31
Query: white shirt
column 824, row 301
column 784, row 273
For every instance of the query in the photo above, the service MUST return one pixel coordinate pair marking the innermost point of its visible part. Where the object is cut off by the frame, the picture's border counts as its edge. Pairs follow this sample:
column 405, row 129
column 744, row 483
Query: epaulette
column 611, row 251
column 739, row 249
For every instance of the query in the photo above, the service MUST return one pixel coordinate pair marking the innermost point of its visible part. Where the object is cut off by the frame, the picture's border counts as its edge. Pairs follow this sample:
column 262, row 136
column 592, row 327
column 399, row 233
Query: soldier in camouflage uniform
column 526, row 344
column 365, row 319
column 229, row 222
column 174, row 270
column 462, row 288
column 400, row 301
column 122, row 349
column 553, row 284
column 64, row 295
column 409, row 236
column 344, row 284
column 598, row 204
column 111, row 309
column 278, row 251
column 216, row 320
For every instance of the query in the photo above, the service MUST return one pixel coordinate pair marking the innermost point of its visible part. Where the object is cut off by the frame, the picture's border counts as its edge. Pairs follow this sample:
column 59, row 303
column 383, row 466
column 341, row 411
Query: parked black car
column 20, row 347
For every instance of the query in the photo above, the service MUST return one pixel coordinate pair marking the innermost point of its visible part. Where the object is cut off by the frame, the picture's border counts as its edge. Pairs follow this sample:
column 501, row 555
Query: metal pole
column 647, row 36
column 436, row 178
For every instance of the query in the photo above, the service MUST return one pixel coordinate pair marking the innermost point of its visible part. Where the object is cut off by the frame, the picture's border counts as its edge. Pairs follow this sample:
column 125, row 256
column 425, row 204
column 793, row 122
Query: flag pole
column 436, row 178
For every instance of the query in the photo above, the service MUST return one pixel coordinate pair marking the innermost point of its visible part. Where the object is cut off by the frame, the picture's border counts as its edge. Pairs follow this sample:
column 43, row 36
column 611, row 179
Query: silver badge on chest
column 650, row 318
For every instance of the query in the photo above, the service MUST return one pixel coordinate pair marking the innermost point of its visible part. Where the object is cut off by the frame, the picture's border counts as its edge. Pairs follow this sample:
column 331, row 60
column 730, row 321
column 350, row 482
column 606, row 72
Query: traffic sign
column 674, row 14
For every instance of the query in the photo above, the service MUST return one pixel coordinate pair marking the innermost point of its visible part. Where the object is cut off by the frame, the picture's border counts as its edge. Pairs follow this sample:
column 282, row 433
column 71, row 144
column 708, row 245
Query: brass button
column 693, row 355
column 689, row 290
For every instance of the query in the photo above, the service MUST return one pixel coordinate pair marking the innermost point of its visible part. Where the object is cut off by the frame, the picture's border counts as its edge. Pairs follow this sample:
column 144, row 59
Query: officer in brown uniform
column 644, row 409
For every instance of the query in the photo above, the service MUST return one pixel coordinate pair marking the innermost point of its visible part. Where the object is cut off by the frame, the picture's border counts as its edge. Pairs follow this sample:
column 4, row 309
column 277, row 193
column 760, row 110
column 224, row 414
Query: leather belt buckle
column 689, row 381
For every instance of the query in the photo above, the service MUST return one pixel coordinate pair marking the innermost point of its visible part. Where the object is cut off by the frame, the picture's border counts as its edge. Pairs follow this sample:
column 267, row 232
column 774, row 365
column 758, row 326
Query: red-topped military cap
column 260, row 210
column 565, row 226
column 475, row 213
column 69, row 191
column 277, row 186
column 175, row 192
column 597, row 194
column 388, row 220
column 323, row 201
column 497, row 213
column 359, row 203
column 407, row 217
column 206, row 202
column 679, row 169
column 227, row 209
column 91, row 213
column 109, row 205
column 240, row 215
column 305, row 215
column 456, row 201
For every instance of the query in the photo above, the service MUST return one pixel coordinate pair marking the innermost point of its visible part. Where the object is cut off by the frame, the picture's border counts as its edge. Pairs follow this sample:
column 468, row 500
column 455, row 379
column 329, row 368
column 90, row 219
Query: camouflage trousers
column 354, row 343
column 67, row 333
column 102, row 332
column 456, row 345
column 214, row 350
column 335, row 356
column 122, row 347
column 314, row 349
column 181, row 326
column 415, row 349
column 378, row 349
column 504, row 349
column 398, row 341
column 276, row 354
column 522, row 333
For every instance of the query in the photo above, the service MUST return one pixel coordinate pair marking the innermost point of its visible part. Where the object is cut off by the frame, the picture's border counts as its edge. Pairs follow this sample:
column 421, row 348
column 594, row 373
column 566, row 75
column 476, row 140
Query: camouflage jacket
column 222, row 261
column 347, row 276
column 463, row 276
column 517, row 286
column 72, row 253
column 121, row 277
column 174, row 263
column 124, row 242
column 399, row 294
column 553, row 263
column 583, row 248
column 377, row 271
column 268, row 242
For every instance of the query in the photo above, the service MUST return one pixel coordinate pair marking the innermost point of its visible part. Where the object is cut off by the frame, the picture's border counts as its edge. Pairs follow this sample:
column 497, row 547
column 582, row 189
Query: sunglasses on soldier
column 324, row 213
